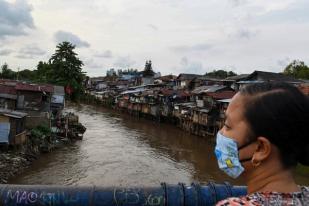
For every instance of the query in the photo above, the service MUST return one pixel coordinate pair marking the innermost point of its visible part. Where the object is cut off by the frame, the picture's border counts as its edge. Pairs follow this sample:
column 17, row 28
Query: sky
column 179, row 36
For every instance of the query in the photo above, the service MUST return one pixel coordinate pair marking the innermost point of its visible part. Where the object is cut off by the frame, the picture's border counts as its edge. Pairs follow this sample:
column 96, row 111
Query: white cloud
column 124, row 62
column 284, row 62
column 5, row 52
column 15, row 18
column 153, row 27
column 105, row 54
column 30, row 52
column 196, row 47
column 61, row 36
column 92, row 64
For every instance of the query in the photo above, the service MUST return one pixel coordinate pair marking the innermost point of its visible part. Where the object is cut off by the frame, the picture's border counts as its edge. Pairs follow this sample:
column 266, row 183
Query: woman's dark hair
column 280, row 112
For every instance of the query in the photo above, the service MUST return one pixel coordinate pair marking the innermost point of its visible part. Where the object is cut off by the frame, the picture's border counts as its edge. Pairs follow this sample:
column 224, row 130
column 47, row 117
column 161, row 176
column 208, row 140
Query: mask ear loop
column 247, row 159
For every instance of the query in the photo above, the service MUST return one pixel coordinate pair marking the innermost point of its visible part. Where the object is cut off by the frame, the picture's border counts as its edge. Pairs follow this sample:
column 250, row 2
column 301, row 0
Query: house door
column 20, row 101
column 4, row 132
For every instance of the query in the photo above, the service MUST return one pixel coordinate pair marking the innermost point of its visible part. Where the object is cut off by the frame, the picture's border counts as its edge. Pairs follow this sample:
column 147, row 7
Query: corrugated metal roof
column 222, row 95
column 200, row 89
column 6, row 89
column 184, row 76
column 134, row 91
column 271, row 76
column 12, row 113
column 8, row 82
column 215, row 88
column 35, row 87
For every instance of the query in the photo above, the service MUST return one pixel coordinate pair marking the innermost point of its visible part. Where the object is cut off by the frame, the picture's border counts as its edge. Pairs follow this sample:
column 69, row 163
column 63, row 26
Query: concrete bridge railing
column 164, row 195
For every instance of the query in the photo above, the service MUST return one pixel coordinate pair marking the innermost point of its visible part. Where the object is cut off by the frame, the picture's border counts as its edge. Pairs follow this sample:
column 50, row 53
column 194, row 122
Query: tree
column 6, row 72
column 26, row 74
column 220, row 74
column 44, row 73
column 297, row 69
column 148, row 69
column 66, row 69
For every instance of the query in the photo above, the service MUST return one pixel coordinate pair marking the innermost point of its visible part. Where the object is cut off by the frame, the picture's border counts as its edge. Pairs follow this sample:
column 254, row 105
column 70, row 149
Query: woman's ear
column 263, row 150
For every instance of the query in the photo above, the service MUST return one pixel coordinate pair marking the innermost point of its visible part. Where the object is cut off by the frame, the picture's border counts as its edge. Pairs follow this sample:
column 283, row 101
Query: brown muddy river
column 119, row 150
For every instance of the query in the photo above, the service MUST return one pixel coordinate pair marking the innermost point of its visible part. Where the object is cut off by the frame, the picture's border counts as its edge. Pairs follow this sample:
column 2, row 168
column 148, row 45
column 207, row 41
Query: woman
column 266, row 134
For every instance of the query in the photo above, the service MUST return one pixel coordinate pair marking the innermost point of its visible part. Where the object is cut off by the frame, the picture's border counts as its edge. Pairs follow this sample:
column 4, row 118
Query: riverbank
column 13, row 163
column 39, row 140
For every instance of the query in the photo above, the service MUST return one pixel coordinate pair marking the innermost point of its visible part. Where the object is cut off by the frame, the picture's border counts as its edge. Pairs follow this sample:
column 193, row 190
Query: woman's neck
column 271, row 180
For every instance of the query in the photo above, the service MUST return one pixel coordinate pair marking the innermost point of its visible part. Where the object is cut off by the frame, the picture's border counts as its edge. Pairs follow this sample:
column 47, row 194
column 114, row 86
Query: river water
column 119, row 150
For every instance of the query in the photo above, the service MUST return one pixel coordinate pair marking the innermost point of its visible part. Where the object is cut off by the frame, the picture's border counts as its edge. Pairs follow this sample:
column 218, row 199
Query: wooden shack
column 201, row 116
column 8, row 97
column 12, row 127
column 34, row 97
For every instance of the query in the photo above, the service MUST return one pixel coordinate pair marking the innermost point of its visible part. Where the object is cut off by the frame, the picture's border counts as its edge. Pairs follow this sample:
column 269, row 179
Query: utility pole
column 17, row 76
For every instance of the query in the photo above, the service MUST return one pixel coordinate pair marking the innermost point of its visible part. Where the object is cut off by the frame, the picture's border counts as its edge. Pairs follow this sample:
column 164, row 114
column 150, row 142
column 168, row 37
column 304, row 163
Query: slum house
column 57, row 103
column 120, row 85
column 203, row 95
column 133, row 78
column 12, row 127
column 123, row 99
column 168, row 80
column 147, row 78
column 150, row 99
column 222, row 105
column 96, row 81
column 107, row 97
column 35, row 99
column 145, row 103
column 140, row 103
column 218, row 107
column 207, row 110
column 206, row 81
column 183, row 80
column 183, row 112
column 100, row 86
column 168, row 98
column 262, row 76
column 135, row 104
column 235, row 79
column 8, row 97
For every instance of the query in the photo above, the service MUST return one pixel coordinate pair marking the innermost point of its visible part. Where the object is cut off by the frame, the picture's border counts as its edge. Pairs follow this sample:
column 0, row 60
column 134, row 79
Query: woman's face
column 236, row 126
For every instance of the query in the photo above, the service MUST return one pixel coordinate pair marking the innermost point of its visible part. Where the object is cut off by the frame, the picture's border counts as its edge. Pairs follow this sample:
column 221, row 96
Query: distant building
column 111, row 72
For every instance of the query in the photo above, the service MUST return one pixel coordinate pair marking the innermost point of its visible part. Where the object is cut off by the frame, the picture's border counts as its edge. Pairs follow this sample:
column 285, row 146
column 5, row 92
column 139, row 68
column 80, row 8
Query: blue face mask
column 227, row 155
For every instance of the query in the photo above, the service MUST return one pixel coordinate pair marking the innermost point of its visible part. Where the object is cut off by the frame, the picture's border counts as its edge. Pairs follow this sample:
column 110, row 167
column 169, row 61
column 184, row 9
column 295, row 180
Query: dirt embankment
column 13, row 163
